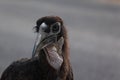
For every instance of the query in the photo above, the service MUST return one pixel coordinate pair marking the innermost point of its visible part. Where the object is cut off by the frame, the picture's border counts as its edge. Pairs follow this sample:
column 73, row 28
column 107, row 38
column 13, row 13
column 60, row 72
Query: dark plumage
column 38, row 67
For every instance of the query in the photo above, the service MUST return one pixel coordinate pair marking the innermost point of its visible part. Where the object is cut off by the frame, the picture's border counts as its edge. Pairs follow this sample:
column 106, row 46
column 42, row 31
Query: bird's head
column 53, row 35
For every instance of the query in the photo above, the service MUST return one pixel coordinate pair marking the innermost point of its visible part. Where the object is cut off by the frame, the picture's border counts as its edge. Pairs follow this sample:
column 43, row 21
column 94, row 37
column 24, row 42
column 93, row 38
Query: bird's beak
column 37, row 41
column 41, row 42
column 51, row 47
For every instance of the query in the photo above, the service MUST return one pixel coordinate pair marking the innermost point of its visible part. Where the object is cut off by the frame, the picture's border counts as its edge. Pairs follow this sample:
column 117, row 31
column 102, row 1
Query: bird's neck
column 46, row 69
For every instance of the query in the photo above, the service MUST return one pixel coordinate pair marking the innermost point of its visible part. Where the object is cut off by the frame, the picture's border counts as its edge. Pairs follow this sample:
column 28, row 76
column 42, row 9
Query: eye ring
column 55, row 28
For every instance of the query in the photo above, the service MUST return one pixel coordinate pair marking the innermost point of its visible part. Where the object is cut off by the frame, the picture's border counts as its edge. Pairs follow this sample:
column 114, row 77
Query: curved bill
column 37, row 41
column 41, row 43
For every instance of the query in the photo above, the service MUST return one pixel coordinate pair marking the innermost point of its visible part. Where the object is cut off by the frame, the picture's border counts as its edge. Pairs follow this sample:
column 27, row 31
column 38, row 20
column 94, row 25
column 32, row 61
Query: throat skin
column 52, row 50
column 53, row 57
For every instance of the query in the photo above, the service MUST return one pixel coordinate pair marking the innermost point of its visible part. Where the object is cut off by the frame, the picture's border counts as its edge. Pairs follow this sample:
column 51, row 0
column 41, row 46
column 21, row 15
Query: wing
column 21, row 70
column 8, row 73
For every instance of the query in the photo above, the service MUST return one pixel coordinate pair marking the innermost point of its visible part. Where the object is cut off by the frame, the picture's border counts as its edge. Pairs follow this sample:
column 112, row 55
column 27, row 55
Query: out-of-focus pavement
column 94, row 34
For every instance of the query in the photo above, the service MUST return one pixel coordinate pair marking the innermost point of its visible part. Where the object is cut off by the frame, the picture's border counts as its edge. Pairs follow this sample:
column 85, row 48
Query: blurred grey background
column 93, row 28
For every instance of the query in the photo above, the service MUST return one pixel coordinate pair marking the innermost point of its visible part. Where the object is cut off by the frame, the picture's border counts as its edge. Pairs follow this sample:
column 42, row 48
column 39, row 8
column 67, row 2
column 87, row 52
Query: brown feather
column 37, row 68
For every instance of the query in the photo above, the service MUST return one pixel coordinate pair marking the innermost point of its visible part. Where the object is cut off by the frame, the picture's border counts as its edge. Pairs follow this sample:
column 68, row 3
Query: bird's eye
column 56, row 27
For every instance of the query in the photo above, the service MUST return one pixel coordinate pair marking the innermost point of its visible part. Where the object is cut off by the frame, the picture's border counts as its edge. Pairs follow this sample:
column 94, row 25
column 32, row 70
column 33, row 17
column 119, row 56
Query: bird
column 50, row 59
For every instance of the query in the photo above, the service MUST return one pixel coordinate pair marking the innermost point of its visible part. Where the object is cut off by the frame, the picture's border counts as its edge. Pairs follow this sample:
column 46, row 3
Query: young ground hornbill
column 50, row 59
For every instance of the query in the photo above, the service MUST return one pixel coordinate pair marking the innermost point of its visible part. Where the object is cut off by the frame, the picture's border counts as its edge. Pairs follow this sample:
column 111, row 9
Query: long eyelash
column 36, row 29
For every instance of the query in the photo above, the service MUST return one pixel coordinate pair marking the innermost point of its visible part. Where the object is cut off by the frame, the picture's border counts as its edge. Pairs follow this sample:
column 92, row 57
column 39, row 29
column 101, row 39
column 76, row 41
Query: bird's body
column 30, row 69
column 52, row 60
